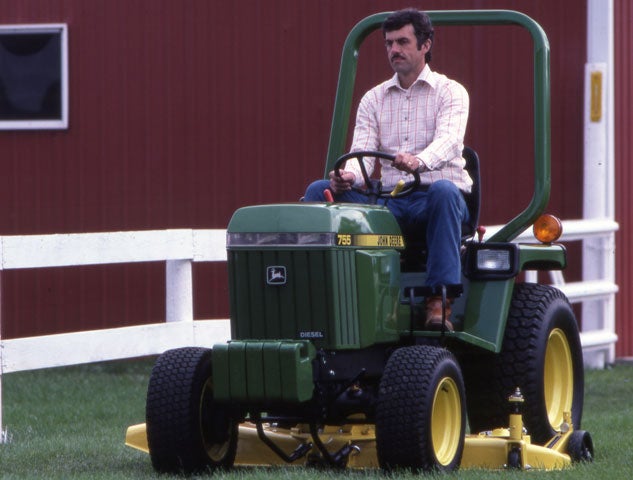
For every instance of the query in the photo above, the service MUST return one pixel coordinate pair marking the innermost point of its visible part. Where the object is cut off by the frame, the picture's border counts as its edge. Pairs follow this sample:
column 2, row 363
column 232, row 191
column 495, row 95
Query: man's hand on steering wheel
column 406, row 162
column 341, row 181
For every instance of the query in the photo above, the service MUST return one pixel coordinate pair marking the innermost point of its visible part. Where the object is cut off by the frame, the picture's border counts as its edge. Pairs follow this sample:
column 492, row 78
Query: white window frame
column 35, row 124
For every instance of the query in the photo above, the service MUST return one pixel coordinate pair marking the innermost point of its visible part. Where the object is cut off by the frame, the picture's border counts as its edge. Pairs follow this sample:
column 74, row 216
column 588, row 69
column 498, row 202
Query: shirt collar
column 426, row 75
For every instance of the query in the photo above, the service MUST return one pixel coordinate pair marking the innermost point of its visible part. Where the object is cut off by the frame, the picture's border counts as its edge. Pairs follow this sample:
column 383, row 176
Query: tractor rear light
column 280, row 239
column 547, row 228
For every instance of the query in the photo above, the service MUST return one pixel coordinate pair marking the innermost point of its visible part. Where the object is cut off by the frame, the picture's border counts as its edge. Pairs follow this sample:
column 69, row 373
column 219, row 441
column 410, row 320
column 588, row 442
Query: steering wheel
column 374, row 187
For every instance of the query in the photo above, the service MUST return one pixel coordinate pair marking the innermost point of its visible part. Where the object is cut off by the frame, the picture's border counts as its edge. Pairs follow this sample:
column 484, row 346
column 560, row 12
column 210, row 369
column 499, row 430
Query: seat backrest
column 473, row 199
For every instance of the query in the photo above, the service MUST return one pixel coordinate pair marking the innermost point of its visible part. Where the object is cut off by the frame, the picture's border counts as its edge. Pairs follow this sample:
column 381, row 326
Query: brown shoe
column 434, row 314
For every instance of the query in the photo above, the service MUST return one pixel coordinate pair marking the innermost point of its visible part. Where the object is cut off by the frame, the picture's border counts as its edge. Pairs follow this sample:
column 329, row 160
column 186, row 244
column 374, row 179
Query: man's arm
column 450, row 128
column 365, row 137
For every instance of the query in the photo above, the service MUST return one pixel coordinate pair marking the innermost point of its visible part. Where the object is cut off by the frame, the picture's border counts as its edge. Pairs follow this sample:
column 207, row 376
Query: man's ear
column 426, row 45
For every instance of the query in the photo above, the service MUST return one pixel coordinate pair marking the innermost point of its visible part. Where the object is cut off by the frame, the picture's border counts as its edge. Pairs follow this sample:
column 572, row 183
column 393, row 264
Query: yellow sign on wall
column 596, row 97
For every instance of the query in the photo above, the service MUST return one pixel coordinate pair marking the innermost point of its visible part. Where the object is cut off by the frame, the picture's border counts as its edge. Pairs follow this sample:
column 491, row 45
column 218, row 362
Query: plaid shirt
column 427, row 120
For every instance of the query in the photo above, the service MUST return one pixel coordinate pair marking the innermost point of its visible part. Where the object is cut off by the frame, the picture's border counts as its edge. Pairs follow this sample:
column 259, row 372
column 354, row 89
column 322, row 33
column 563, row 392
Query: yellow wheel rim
column 446, row 421
column 558, row 377
column 215, row 451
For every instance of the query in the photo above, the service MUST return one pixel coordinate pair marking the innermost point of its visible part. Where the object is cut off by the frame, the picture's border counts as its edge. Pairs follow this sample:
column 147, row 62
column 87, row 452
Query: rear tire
column 420, row 414
column 541, row 354
column 186, row 430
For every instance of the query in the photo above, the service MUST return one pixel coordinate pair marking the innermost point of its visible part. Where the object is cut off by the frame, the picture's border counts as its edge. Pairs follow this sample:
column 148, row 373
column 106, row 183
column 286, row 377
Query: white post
column 598, row 193
column 179, row 291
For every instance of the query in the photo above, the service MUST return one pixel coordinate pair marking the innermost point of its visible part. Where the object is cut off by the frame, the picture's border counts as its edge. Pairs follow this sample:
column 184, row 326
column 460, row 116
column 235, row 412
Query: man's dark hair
column 419, row 20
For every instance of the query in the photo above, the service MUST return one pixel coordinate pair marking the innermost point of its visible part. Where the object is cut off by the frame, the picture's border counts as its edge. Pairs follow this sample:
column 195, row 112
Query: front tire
column 187, row 431
column 542, row 355
column 420, row 414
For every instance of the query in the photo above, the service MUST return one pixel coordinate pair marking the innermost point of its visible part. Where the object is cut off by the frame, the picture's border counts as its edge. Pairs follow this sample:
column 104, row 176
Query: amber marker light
column 547, row 228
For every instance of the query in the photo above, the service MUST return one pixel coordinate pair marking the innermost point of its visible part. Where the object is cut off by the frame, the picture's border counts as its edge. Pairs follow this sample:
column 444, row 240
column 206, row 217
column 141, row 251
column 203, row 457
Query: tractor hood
column 309, row 218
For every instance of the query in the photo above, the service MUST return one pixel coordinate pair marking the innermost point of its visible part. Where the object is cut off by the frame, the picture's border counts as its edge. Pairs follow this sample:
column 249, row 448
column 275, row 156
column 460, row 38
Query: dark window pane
column 30, row 76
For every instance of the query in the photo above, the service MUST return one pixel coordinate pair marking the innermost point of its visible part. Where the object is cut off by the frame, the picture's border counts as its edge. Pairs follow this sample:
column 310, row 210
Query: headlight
column 491, row 261
column 281, row 239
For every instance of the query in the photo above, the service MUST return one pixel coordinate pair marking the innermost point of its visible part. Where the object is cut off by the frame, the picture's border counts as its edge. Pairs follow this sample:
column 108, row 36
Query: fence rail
column 179, row 249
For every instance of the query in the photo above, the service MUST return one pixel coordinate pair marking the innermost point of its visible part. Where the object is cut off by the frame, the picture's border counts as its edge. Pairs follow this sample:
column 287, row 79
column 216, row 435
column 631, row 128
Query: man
column 420, row 117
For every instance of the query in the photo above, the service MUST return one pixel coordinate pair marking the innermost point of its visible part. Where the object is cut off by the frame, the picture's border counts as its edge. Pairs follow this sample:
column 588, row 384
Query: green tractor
column 328, row 362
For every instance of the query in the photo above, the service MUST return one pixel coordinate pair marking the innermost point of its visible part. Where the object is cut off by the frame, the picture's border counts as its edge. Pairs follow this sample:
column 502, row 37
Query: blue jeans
column 440, row 211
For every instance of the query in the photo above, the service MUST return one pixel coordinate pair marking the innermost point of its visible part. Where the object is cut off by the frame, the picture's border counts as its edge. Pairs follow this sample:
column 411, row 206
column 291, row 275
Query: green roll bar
column 542, row 139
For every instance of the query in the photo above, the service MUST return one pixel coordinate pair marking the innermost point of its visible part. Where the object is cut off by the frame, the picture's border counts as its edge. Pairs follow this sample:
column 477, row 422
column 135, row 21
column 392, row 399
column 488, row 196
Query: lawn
column 70, row 423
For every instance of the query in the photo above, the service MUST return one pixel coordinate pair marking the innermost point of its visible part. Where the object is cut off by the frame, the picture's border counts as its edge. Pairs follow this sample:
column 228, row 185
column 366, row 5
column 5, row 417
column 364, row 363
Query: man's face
column 403, row 53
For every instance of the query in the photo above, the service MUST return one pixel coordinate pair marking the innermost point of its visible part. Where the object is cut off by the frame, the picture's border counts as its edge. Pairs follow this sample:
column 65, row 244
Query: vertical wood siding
column 183, row 111
column 623, row 19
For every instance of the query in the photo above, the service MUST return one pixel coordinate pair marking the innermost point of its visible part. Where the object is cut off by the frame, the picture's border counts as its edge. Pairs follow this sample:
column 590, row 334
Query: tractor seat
column 413, row 257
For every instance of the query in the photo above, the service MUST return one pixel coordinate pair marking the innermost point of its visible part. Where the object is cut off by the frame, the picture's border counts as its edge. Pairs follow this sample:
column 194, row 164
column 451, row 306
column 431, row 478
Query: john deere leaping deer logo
column 276, row 275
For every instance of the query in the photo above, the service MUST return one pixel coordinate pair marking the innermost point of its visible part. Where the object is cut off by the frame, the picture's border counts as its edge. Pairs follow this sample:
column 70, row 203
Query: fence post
column 179, row 291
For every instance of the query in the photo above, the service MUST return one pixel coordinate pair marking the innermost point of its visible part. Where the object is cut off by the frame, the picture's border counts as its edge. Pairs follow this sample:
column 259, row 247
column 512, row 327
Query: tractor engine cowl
column 327, row 273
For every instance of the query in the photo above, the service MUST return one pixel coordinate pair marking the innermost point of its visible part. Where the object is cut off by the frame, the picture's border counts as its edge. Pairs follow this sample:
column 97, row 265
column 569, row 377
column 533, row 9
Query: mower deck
column 495, row 449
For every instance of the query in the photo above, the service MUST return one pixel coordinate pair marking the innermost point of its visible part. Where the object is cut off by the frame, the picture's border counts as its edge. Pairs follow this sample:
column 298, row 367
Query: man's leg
column 446, row 210
column 443, row 210
column 314, row 193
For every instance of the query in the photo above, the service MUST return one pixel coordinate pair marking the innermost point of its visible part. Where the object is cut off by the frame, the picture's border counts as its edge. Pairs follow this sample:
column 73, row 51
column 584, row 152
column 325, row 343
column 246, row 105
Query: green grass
column 70, row 423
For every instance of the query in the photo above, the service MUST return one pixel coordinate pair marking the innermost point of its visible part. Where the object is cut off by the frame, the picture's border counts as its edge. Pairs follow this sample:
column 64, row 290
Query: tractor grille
column 294, row 294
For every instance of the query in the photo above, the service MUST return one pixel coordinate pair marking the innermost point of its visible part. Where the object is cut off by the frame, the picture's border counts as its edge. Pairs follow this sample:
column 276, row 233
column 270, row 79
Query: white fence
column 178, row 249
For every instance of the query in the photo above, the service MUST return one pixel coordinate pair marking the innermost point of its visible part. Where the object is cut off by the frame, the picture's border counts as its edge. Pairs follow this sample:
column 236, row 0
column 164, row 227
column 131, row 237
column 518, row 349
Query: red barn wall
column 181, row 112
column 623, row 21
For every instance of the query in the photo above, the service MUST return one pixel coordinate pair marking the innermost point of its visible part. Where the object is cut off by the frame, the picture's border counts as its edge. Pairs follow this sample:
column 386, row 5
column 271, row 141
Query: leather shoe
column 434, row 314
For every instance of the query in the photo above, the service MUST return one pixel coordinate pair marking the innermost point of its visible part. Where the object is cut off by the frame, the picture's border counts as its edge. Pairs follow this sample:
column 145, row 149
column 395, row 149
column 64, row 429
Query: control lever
column 398, row 188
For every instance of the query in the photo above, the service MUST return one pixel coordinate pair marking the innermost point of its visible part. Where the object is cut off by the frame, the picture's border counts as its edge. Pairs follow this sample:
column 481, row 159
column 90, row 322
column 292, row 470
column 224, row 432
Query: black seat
column 473, row 199
column 413, row 257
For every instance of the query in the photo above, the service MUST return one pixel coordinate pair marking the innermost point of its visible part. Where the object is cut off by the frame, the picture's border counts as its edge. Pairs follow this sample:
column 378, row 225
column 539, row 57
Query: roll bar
column 542, row 138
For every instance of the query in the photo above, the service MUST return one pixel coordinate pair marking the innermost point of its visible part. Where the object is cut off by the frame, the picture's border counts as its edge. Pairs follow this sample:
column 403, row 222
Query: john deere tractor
column 329, row 363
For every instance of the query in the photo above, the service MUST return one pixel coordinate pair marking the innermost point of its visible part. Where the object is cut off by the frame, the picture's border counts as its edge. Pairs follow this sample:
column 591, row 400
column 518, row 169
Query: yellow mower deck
column 488, row 450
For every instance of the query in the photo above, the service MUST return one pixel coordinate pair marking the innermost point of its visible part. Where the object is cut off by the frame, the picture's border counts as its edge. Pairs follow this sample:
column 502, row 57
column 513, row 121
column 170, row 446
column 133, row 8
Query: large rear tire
column 420, row 414
column 542, row 355
column 187, row 431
